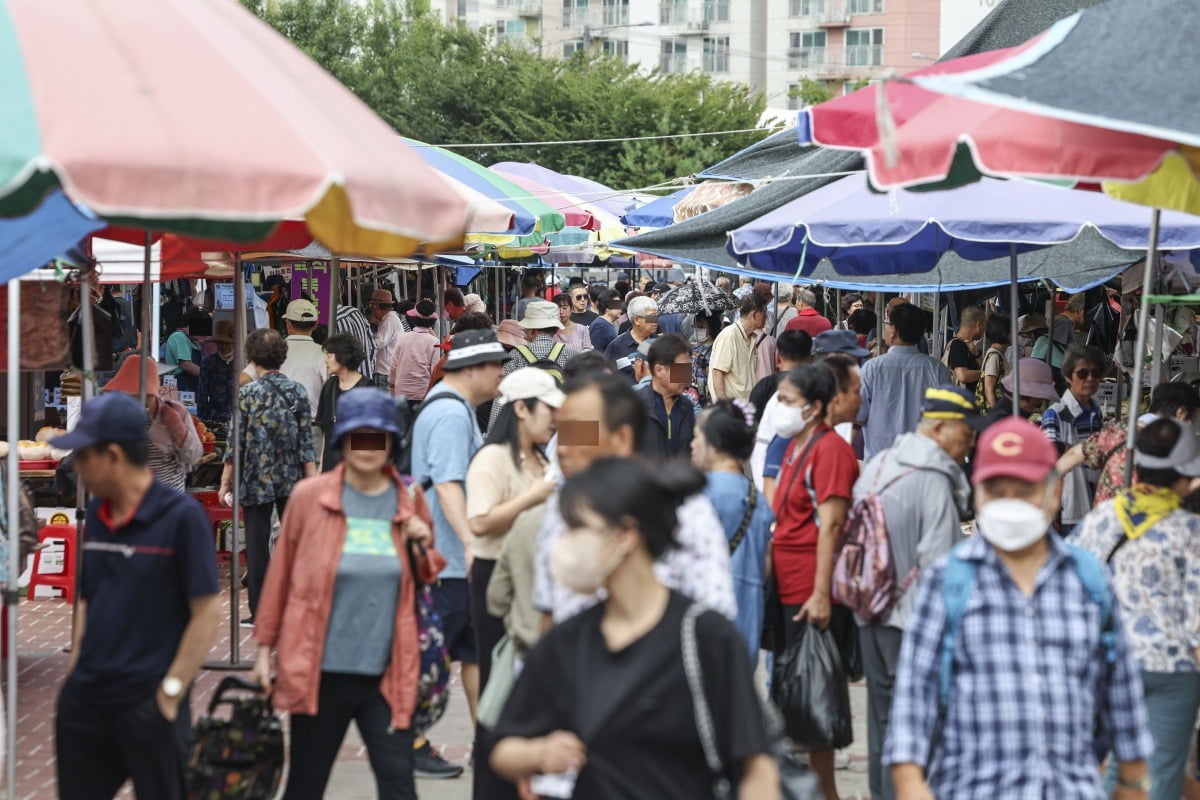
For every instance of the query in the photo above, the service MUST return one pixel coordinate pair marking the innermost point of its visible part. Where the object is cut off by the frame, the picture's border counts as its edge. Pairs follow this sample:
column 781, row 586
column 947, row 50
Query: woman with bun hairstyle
column 723, row 440
column 605, row 694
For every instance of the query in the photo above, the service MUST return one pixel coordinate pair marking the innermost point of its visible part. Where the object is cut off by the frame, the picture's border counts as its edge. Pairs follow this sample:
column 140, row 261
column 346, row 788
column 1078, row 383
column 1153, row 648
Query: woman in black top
column 605, row 694
column 343, row 356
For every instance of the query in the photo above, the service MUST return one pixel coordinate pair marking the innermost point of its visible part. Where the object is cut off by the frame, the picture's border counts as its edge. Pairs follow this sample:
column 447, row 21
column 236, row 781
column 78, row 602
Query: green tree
column 811, row 92
column 443, row 83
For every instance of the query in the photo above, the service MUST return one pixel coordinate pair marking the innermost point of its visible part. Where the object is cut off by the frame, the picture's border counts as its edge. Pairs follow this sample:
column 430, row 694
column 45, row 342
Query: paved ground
column 45, row 629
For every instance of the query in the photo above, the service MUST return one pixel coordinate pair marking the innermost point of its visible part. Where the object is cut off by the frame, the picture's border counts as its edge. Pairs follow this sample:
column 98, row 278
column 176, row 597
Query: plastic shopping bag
column 809, row 688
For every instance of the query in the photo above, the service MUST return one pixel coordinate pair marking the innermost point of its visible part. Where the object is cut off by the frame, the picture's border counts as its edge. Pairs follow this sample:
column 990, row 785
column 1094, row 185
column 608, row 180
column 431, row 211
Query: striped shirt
column 351, row 320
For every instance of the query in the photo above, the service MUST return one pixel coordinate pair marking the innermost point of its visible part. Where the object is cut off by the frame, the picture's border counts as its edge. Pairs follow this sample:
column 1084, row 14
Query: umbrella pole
column 1139, row 353
column 879, row 307
column 335, row 291
column 439, row 278
column 1013, row 300
column 235, row 449
column 87, row 386
column 12, row 486
column 145, row 349
column 1160, row 320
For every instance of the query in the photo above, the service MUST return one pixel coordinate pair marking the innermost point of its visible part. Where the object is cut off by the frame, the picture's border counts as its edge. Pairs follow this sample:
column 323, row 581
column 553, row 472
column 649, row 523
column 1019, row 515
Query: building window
column 571, row 48
column 794, row 103
column 806, row 49
column 716, row 10
column 673, row 12
column 673, row 55
column 574, row 14
column 510, row 30
column 616, row 47
column 716, row 54
column 864, row 47
column 616, row 12
column 806, row 8
column 864, row 6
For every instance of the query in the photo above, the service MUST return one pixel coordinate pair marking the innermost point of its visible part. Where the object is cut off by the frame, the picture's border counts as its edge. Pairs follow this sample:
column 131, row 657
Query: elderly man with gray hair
column 785, row 312
column 807, row 318
column 643, row 321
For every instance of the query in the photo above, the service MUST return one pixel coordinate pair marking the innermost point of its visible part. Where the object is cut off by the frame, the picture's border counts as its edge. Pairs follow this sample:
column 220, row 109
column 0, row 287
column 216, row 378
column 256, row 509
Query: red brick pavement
column 44, row 630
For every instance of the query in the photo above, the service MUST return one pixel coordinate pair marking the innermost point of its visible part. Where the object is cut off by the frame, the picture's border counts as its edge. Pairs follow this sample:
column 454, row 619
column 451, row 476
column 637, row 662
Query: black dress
column 632, row 709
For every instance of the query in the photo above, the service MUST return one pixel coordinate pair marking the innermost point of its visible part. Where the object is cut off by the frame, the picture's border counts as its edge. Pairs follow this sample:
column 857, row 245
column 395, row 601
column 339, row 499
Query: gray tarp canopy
column 701, row 239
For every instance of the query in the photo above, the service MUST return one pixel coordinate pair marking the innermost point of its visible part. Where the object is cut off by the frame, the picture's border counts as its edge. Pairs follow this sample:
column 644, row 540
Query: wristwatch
column 171, row 686
column 1141, row 784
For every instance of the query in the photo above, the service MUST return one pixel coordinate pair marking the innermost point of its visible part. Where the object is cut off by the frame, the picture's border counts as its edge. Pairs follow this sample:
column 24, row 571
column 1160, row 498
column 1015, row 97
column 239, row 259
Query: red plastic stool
column 64, row 580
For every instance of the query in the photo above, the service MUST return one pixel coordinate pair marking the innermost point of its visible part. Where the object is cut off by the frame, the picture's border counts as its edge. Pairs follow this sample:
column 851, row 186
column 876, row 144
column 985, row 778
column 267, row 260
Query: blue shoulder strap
column 957, row 581
column 1092, row 575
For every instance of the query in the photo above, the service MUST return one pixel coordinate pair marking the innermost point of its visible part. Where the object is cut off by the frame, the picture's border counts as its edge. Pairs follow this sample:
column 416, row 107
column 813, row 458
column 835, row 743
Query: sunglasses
column 578, row 296
column 1088, row 373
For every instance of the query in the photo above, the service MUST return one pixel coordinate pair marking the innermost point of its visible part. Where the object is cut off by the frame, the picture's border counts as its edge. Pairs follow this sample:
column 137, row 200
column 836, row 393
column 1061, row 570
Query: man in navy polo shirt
column 145, row 616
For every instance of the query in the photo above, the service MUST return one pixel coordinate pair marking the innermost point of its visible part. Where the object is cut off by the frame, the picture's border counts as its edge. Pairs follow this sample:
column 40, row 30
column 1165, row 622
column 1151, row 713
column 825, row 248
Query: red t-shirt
column 809, row 321
column 829, row 469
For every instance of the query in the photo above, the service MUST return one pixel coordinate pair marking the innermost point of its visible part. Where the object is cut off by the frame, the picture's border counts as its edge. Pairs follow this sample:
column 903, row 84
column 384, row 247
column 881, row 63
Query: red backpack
column 864, row 575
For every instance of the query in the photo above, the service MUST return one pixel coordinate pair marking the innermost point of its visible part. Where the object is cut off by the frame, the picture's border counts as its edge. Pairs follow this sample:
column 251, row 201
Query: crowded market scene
column 851, row 453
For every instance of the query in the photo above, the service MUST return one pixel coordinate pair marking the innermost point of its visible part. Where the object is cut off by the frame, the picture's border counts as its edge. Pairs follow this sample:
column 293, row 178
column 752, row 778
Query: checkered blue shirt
column 1030, row 683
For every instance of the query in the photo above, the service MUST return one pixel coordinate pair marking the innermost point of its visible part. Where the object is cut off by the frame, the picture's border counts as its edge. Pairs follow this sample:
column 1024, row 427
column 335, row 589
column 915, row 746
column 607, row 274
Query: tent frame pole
column 146, row 315
column 235, row 451
column 1014, row 300
column 1139, row 353
column 12, row 499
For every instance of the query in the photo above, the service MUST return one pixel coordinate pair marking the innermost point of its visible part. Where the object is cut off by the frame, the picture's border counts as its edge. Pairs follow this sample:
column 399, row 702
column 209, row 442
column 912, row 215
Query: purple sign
column 312, row 279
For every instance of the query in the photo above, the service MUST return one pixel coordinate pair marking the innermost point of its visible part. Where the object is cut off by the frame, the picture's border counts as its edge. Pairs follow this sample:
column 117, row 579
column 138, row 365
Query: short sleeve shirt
column 139, row 579
column 445, row 437
column 179, row 348
column 633, row 709
column 493, row 478
column 733, row 354
column 827, row 470
column 959, row 355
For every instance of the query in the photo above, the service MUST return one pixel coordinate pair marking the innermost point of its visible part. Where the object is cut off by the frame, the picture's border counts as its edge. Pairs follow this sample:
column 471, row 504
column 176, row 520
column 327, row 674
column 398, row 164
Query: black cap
column 473, row 347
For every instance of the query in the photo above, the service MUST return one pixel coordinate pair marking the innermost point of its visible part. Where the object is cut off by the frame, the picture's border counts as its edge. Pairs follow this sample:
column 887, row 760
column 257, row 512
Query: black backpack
column 406, row 420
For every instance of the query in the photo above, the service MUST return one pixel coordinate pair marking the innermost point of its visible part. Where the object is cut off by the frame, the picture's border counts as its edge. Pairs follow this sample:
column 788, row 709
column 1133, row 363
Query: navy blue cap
column 952, row 402
column 365, row 408
column 112, row 417
column 838, row 341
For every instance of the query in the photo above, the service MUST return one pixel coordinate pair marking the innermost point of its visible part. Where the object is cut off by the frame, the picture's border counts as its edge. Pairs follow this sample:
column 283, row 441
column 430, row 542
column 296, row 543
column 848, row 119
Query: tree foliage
column 443, row 83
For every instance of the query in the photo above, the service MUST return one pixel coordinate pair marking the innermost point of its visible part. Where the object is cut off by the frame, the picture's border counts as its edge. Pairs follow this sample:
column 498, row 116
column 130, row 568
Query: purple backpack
column 864, row 575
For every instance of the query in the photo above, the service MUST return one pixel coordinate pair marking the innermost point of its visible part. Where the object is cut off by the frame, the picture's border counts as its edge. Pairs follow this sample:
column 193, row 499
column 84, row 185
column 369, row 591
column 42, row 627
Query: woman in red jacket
column 338, row 606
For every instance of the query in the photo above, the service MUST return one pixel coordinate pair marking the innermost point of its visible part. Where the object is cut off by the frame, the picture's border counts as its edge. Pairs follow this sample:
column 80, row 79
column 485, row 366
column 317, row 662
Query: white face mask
column 1011, row 524
column 790, row 420
column 577, row 560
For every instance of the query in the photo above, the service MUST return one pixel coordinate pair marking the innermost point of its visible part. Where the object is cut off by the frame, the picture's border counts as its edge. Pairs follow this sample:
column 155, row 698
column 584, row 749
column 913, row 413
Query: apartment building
column 772, row 46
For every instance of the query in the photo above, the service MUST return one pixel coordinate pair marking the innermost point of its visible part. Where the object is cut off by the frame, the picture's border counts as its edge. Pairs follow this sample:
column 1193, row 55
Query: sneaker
column 841, row 760
column 429, row 764
column 248, row 622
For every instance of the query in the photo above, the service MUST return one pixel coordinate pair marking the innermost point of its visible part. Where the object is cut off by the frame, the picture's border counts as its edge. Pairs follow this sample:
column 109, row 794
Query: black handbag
column 239, row 757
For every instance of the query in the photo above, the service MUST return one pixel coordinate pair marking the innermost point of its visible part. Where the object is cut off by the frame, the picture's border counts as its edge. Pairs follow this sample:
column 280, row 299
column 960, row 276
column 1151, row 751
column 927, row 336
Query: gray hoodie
column 923, row 509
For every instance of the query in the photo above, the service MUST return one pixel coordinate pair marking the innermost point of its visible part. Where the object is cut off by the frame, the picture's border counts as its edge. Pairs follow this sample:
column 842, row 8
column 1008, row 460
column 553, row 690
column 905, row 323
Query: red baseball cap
column 1013, row 448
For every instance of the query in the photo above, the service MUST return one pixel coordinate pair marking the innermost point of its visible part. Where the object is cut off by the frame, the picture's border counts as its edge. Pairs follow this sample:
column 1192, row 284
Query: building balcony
column 813, row 61
column 832, row 14
column 864, row 57
column 676, row 63
column 614, row 16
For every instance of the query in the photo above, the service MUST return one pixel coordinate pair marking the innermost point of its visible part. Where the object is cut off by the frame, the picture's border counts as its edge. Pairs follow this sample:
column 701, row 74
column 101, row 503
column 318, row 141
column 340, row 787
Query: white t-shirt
column 762, row 440
column 305, row 365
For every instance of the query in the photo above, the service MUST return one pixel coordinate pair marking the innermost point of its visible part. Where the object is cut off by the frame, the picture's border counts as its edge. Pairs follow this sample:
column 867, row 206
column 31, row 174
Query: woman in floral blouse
column 1152, row 547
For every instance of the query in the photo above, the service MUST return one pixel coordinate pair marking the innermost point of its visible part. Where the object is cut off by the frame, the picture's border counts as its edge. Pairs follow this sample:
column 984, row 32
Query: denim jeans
column 1172, row 699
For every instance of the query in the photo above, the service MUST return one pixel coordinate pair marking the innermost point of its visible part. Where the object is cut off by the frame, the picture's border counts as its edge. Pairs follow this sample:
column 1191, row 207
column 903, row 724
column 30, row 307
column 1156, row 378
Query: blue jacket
column 667, row 437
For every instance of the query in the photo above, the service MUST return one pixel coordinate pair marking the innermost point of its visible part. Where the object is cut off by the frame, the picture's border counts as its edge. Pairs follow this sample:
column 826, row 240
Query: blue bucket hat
column 365, row 408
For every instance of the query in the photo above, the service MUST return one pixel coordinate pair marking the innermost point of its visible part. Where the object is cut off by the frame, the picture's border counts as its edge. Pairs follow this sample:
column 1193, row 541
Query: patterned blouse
column 1105, row 451
column 1156, row 578
column 276, row 437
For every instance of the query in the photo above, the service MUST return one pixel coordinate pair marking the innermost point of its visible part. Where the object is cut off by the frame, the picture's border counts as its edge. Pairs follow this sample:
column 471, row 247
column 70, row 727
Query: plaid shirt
column 1030, row 681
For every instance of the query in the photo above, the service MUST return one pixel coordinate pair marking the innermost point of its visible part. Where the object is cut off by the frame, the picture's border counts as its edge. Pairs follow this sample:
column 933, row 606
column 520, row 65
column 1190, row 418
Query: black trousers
column 99, row 747
column 488, row 631
column 258, row 546
column 316, row 739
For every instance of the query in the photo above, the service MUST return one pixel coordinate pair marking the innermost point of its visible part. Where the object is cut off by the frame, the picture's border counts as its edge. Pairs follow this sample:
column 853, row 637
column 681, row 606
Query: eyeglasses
column 1088, row 373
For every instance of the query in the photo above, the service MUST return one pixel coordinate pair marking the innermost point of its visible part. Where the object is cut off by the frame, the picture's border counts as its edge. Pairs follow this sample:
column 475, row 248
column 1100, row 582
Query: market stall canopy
column 31, row 241
column 657, row 213
column 585, row 191
column 1069, row 74
column 193, row 116
column 866, row 233
column 531, row 217
column 702, row 240
column 171, row 258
